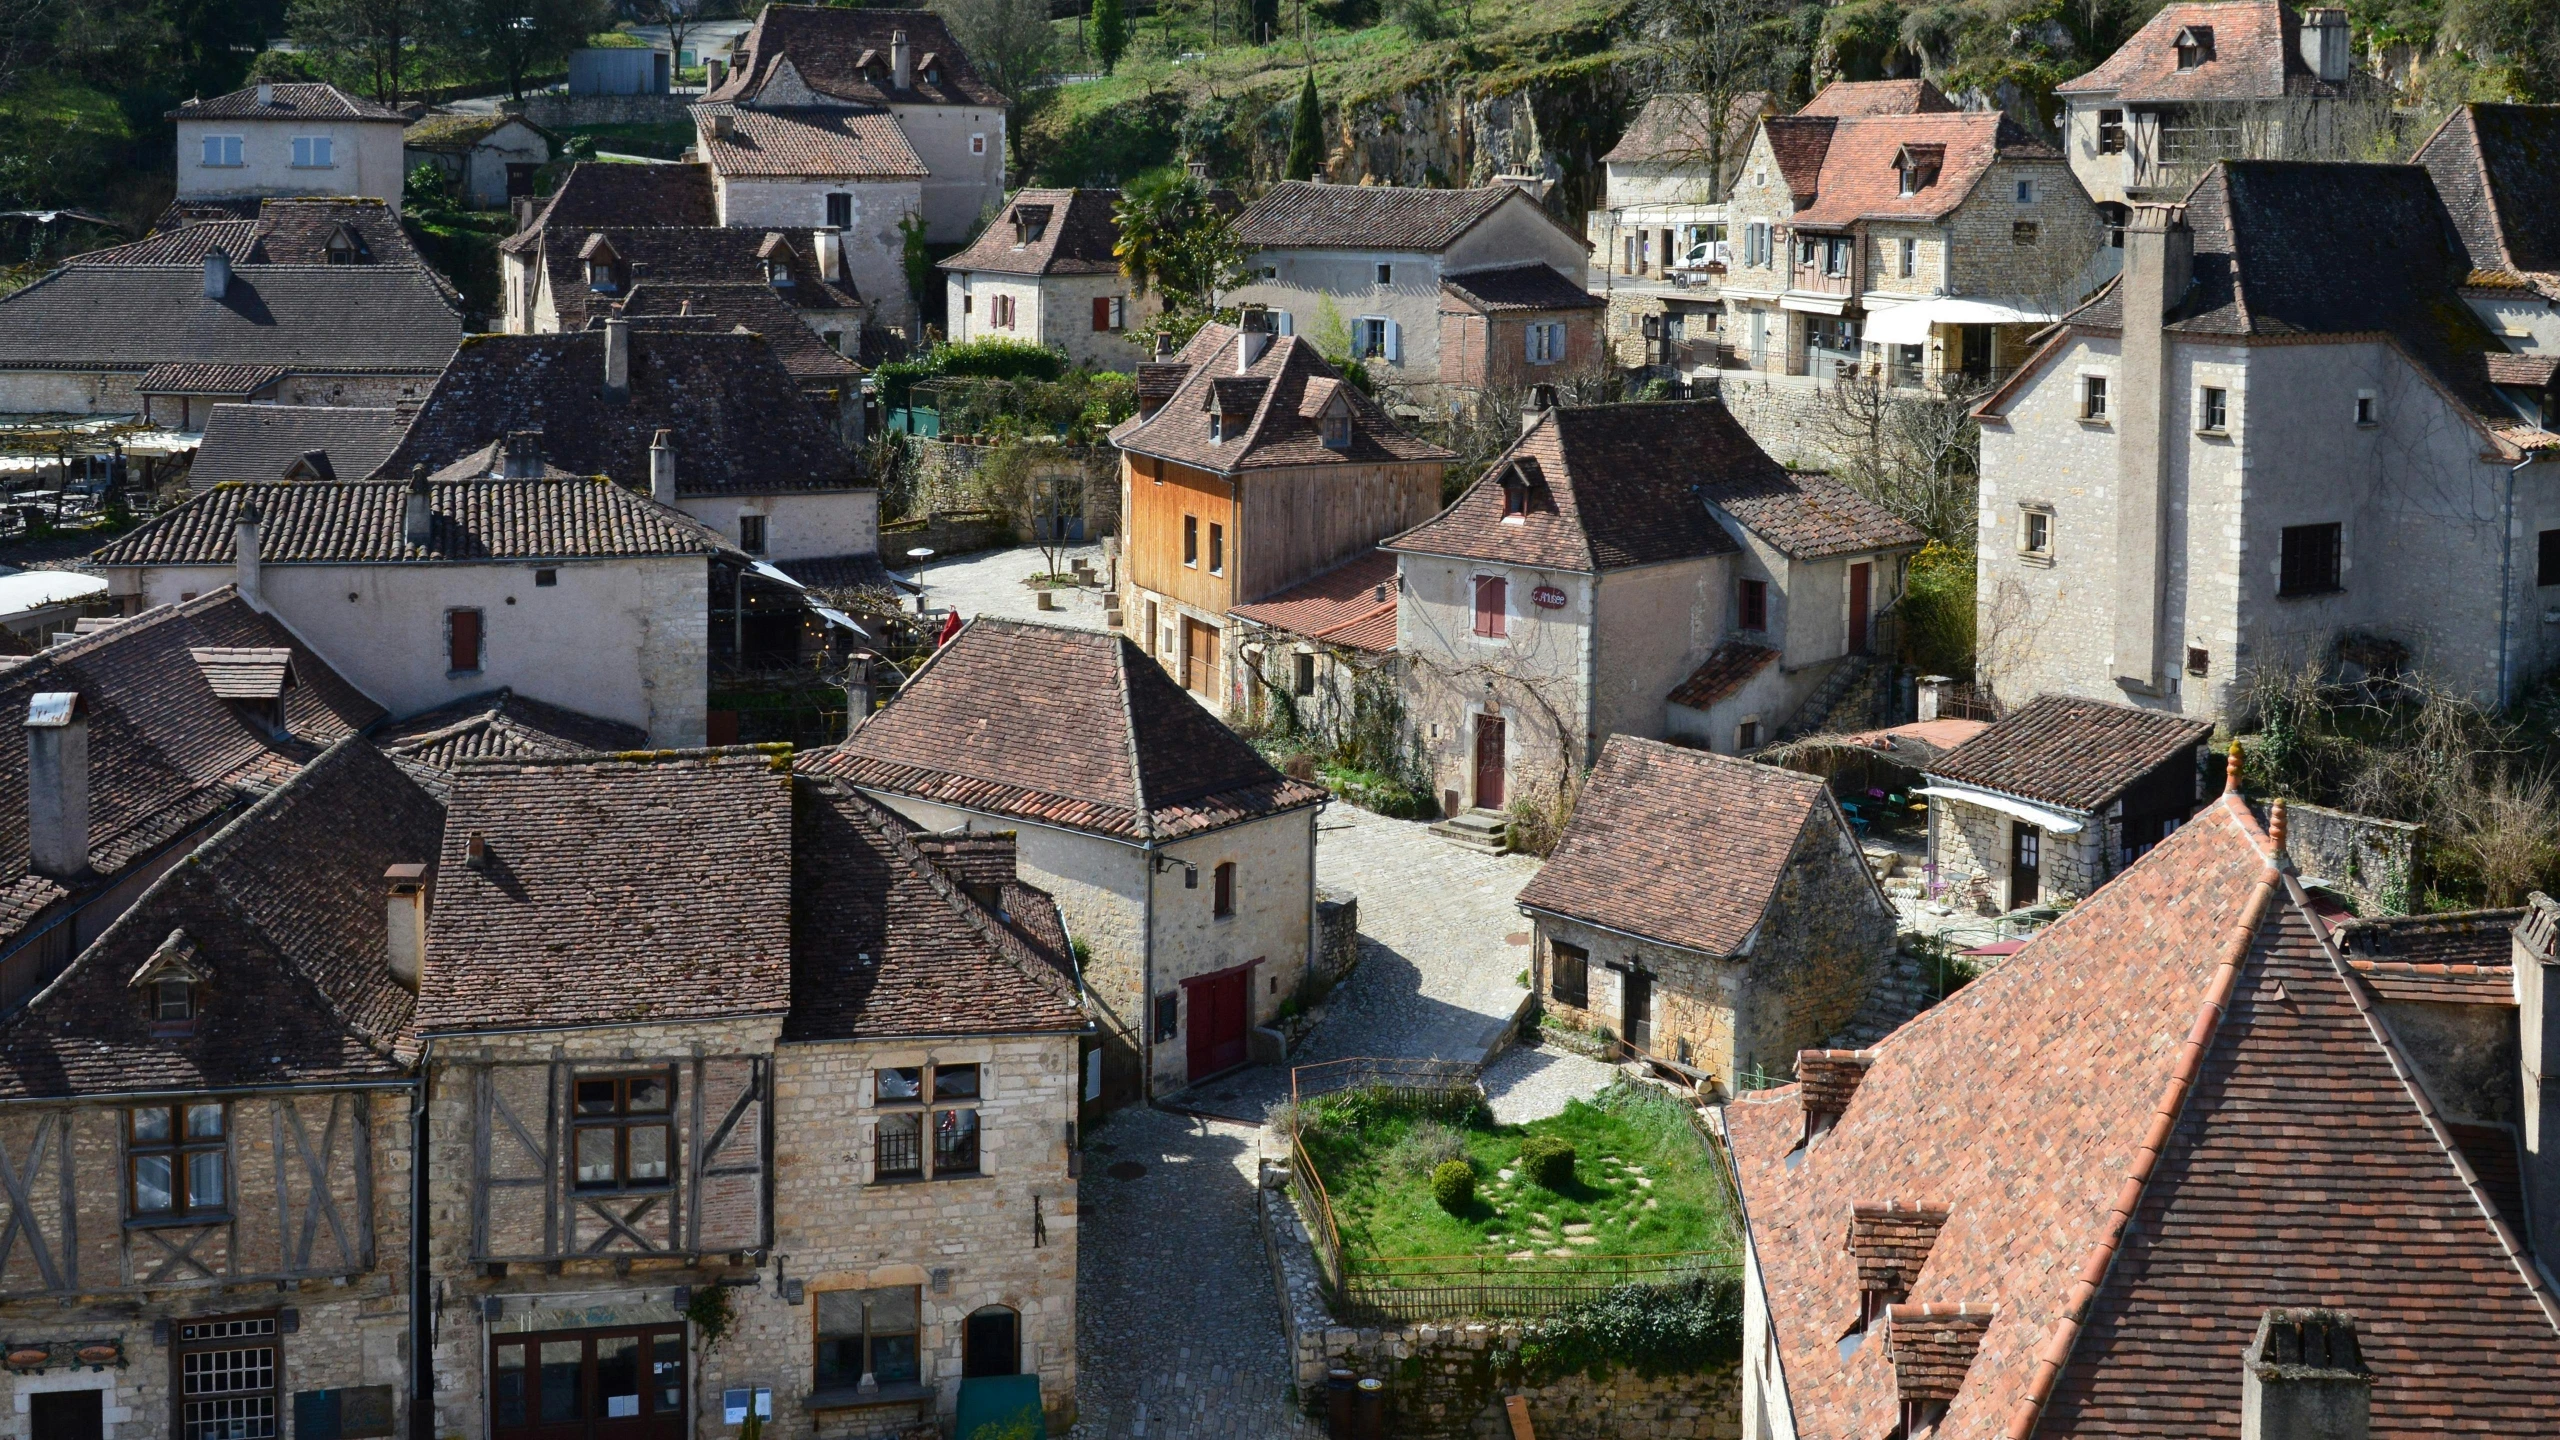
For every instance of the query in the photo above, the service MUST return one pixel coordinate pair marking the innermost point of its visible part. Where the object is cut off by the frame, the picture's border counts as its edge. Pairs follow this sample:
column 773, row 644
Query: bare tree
column 1010, row 41
column 1717, row 60
column 1913, row 450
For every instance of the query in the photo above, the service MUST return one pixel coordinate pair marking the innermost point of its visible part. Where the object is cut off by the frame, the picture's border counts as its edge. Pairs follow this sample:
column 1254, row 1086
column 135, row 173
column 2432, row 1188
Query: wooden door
column 1199, row 657
column 1489, row 776
column 1216, row 1043
column 66, row 1415
column 1860, row 578
column 1638, row 1020
column 589, row 1385
column 2026, row 866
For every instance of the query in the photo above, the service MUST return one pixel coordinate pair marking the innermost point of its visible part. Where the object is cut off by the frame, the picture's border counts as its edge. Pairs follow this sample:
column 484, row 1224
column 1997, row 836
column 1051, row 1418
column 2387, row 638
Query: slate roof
column 613, row 891
column 2063, row 750
column 1850, row 99
column 978, row 728
column 1302, row 215
column 2463, row 957
column 684, row 255
column 1726, row 669
column 284, row 909
column 1282, row 429
column 503, row 724
column 329, row 319
column 187, row 379
column 2494, row 166
column 741, row 423
column 1352, row 604
column 2257, row 55
column 1673, row 128
column 280, row 230
column 1681, row 846
column 165, row 753
column 809, row 140
column 363, row 522
column 887, row 941
column 2142, row 1125
column 1077, row 234
column 262, row 442
column 290, row 101
column 185, row 245
column 752, row 307
column 828, row 49
column 1611, row 486
column 1860, row 175
column 1519, row 287
column 596, row 193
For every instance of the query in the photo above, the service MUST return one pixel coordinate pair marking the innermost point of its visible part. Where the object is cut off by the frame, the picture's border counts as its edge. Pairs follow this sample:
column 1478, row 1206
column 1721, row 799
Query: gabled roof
column 363, row 523
column 753, row 307
column 1727, row 668
column 183, row 246
column 1282, row 428
column 1672, row 128
column 1850, row 99
column 331, row 319
column 455, row 133
column 977, row 727
column 612, row 891
column 596, row 194
column 2141, row 1127
column 2494, row 166
column 1681, row 846
column 1534, row 286
column 741, row 424
column 1076, row 236
column 1352, row 604
column 1302, row 215
column 843, row 55
column 683, row 255
column 272, row 442
column 809, row 140
column 295, row 100
column 165, row 753
column 503, row 724
column 2063, row 750
column 1797, row 143
column 2257, row 55
column 281, row 230
column 281, row 913
column 2463, row 957
column 1860, row 174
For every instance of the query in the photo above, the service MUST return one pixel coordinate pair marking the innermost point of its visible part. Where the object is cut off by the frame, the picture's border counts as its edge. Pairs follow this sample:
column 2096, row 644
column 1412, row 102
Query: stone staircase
column 1848, row 693
column 1485, row 831
column 1901, row 989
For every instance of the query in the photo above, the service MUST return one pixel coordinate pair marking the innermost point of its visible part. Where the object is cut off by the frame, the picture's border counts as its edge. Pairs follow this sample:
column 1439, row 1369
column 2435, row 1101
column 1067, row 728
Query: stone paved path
column 990, row 583
column 1528, row 1083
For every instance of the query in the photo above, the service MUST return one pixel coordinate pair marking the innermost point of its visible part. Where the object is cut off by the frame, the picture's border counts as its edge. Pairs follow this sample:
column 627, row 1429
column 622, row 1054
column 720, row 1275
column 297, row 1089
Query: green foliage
column 712, row 1316
column 616, row 40
column 1427, row 1146
column 1000, row 360
column 1422, row 19
column 1453, row 1186
column 913, row 255
column 59, row 141
column 1937, row 611
column 1108, row 33
column 1306, row 134
column 1175, row 240
column 1548, row 1160
column 1656, row 1330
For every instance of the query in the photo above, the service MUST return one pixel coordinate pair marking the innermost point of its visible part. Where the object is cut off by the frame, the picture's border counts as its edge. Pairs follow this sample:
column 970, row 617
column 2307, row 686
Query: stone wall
column 1337, row 935
column 555, row 111
column 1450, row 1382
column 947, row 532
column 2374, row 862
column 947, row 471
column 1969, row 856
column 1786, row 414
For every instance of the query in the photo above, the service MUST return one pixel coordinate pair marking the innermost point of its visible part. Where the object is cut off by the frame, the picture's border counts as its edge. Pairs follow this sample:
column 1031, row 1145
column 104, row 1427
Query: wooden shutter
column 462, row 634
column 1493, row 598
column 727, row 1121
column 1101, row 312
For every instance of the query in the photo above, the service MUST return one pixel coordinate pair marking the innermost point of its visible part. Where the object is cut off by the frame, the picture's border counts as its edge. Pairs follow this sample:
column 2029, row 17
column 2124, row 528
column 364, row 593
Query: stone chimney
column 2159, row 258
column 266, row 94
column 1253, row 336
column 2324, row 44
column 58, row 784
column 713, row 73
column 217, row 273
column 902, row 60
column 2535, row 953
column 829, row 247
column 1932, row 696
column 723, row 125
column 1542, row 398
column 1826, row 1081
column 662, row 468
column 417, row 518
column 522, row 457
column 2304, row 1378
column 244, row 555
column 617, row 359
column 405, row 915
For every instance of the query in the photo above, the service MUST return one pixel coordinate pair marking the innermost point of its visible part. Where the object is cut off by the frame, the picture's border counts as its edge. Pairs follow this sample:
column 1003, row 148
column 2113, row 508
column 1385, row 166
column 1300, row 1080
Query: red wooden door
column 1858, row 579
column 1489, row 762
column 1218, row 1019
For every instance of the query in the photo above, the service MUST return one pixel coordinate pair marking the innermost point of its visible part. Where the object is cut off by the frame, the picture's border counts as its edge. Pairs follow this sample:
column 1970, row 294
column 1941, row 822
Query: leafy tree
column 1306, row 138
column 914, row 257
column 1175, row 239
column 1010, row 41
column 1110, row 33
column 514, row 38
column 384, row 40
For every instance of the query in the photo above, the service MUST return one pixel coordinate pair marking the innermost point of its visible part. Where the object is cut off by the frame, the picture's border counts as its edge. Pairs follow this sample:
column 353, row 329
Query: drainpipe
column 1147, row 988
column 422, row 1370
column 2507, row 590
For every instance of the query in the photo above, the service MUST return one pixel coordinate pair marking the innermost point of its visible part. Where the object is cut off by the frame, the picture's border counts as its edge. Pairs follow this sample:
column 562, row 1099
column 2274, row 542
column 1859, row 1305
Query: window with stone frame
column 1569, row 974
column 872, row 1333
column 229, row 1374
column 622, row 1132
column 177, row 1163
column 927, row 1125
column 2111, row 132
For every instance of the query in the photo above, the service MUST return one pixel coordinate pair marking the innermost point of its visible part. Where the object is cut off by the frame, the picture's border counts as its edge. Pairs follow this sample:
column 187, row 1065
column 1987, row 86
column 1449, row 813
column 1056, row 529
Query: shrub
column 1548, row 1160
column 1676, row 1329
column 1454, row 1186
column 1426, row 1147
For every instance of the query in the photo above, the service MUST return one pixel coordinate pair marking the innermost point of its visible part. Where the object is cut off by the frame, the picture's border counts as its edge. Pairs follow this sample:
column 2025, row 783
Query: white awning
column 2058, row 822
column 1909, row 324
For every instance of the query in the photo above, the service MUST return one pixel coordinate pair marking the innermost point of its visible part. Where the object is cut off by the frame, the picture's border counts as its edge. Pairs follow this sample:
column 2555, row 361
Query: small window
column 1546, row 342
column 173, row 1002
column 2309, row 560
column 2546, row 570
column 751, row 534
column 868, row 1333
column 311, row 152
column 462, row 641
column 840, row 211
column 2365, row 414
column 977, row 144
column 1515, row 497
column 177, row 1162
column 2195, row 46
column 1337, row 430
column 1369, row 337
column 1191, row 541
column 222, row 152
column 2026, row 192
column 1752, row 607
column 1217, row 549
column 1493, row 603
column 2024, row 232
column 600, row 277
column 1569, row 975
column 1304, row 682
column 545, row 579
column 623, row 1130
column 2035, row 533
column 968, row 303
column 2110, row 132
column 1109, row 313
column 950, row 1117
column 1746, row 737
column 2199, row 663
column 1910, row 258
column 1168, row 1016
column 1222, row 890
column 2093, row 397
column 2216, row 410
column 1386, row 274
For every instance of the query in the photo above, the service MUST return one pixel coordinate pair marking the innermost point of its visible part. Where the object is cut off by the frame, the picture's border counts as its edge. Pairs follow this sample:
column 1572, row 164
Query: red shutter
column 1493, row 599
column 462, row 634
column 1101, row 312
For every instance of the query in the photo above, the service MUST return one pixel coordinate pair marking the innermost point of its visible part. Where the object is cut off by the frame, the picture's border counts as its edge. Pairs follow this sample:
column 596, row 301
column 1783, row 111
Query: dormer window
column 1030, row 223
column 173, row 1002
column 1515, row 498
column 1920, row 165
column 1337, row 430
column 343, row 247
column 2195, row 46
column 169, row 986
column 777, row 274
column 600, row 277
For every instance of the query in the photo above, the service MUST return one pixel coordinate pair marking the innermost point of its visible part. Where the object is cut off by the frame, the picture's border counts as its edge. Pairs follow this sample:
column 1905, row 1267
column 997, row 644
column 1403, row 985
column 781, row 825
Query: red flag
column 950, row 627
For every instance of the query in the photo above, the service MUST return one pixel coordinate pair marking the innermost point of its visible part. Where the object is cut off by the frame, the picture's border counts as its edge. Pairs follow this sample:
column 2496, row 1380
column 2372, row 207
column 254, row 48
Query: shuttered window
column 462, row 640
column 1493, row 603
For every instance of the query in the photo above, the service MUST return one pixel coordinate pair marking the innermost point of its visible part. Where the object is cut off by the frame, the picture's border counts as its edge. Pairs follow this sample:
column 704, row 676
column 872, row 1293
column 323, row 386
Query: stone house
column 591, row 197
column 2380, row 429
column 489, row 159
column 2200, row 82
column 1249, row 467
column 827, row 1072
column 1377, row 256
column 206, row 1119
column 290, row 139
column 2493, row 167
column 2053, row 799
column 1640, row 569
column 849, row 171
column 1708, row 911
column 1313, row 646
column 1042, row 272
column 1908, row 246
column 2077, row 1197
column 277, row 230
column 1508, row 329
column 1182, row 861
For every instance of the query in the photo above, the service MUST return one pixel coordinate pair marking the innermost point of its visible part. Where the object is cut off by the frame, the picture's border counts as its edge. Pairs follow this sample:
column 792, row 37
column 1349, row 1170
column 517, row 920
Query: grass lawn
column 1643, row 1184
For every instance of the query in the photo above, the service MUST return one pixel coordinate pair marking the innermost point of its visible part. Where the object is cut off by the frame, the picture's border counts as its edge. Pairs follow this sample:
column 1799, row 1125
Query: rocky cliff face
column 1556, row 122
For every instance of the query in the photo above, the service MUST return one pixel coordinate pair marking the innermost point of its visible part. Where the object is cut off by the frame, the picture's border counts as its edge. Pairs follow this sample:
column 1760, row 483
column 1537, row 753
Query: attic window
column 600, row 277
column 1337, row 430
column 777, row 274
column 173, row 1002
column 1920, row 165
column 342, row 247
column 2195, row 46
column 1515, row 497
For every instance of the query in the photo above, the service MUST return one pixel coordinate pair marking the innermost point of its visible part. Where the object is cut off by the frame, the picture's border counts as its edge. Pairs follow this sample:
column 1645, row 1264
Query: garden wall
column 1337, row 934
column 558, row 111
column 1444, row 1382
column 947, row 533
column 2372, row 861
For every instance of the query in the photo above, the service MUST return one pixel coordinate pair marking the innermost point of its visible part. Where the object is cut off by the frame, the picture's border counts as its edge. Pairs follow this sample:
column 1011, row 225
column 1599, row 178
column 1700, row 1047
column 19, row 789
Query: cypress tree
column 1110, row 33
column 1306, row 139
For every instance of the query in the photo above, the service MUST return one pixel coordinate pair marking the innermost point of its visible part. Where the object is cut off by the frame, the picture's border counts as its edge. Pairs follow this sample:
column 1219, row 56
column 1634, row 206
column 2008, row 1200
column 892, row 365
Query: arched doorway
column 992, row 1343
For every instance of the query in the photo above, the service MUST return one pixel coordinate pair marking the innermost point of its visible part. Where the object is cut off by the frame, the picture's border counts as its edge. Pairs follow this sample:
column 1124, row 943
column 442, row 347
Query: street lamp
column 920, row 554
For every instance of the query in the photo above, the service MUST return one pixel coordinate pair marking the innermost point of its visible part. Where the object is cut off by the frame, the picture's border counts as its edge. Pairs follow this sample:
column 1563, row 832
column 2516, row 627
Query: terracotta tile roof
column 207, row 379
column 1673, row 128
column 263, row 442
column 888, row 941
column 1808, row 516
column 1076, row 236
column 598, row 193
column 349, row 523
column 612, row 891
column 1301, row 215
column 1798, row 143
column 844, row 54
column 1519, row 287
column 283, row 909
column 1350, row 604
column 1726, row 669
column 1850, row 99
column 979, row 727
column 2439, row 983
column 1861, row 170
column 289, row 101
column 2257, row 55
column 2178, row 1047
column 1280, row 430
column 809, row 141
column 2534, row 372
column 1918, row 744
column 740, row 421
column 1932, row 1346
column 659, row 255
column 1891, row 1242
column 330, row 319
column 2475, row 938
column 502, row 723
column 1679, row 846
column 2078, row 754
column 245, row 672
column 1827, row 1080
column 183, row 246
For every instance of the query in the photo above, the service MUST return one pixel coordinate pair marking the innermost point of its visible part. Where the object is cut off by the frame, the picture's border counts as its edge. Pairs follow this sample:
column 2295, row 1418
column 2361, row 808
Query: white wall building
column 291, row 139
column 1043, row 273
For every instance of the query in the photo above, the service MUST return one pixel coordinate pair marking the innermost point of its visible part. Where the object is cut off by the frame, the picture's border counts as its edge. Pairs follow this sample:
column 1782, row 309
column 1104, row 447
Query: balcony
column 1816, row 279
